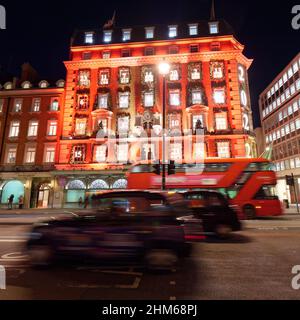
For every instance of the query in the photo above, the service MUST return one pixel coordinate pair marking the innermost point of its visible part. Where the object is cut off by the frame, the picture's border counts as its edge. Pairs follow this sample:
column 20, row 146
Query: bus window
column 266, row 192
column 260, row 166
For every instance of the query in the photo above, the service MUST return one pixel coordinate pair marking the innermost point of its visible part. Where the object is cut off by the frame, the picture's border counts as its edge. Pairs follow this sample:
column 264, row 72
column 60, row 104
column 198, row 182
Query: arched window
column 44, row 84
column 120, row 184
column 76, row 185
column 99, row 185
column 14, row 187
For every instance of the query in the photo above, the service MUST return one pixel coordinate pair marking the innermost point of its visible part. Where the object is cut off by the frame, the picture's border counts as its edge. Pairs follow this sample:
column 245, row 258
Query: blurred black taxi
column 213, row 212
column 124, row 227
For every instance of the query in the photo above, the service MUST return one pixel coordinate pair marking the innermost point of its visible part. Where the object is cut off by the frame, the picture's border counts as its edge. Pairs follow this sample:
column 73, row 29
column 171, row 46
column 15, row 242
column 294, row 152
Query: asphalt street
column 254, row 264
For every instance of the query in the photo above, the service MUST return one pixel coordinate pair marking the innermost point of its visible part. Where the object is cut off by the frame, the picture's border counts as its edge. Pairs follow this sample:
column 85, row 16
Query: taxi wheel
column 160, row 259
column 249, row 212
column 223, row 231
column 40, row 255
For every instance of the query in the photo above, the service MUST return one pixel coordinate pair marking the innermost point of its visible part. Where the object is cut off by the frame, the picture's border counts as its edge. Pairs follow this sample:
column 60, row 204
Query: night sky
column 39, row 32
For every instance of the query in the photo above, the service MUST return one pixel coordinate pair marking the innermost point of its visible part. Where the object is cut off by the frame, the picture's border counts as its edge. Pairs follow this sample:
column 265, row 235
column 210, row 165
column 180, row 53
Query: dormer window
column 43, row 84
column 172, row 31
column 214, row 27
column 126, row 34
column 107, row 36
column 149, row 33
column 89, row 37
column 193, row 28
column 26, row 85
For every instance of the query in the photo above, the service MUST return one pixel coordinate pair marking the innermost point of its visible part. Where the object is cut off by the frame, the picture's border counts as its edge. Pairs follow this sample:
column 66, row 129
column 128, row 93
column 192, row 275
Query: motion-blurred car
column 213, row 211
column 126, row 227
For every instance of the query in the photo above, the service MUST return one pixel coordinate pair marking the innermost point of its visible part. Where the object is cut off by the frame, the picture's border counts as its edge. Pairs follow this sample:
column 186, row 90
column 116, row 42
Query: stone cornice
column 144, row 60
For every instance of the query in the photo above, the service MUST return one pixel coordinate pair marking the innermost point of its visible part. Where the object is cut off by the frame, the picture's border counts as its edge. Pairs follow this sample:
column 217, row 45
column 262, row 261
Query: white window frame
column 52, row 128
column 173, row 32
column 33, row 128
column 89, row 37
column 223, row 149
column 30, row 155
column 124, row 100
column 221, row 121
column 107, row 36
column 49, row 154
column 11, row 150
column 193, row 29
column 126, row 34
column 14, row 129
column 18, row 104
column 149, row 32
column 214, row 27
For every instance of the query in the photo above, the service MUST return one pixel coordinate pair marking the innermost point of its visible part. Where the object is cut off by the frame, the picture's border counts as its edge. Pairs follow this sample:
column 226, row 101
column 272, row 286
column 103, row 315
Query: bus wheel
column 249, row 212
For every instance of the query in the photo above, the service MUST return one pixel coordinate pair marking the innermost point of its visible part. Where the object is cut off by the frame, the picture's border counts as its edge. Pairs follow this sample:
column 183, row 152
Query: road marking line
column 12, row 240
column 135, row 284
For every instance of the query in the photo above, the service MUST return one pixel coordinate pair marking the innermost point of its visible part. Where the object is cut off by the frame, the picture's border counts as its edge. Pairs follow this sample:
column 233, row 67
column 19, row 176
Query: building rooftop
column 92, row 37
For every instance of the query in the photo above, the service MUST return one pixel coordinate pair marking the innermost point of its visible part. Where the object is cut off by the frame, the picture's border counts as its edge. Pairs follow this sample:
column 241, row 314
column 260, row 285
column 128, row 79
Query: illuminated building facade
column 111, row 106
column 113, row 85
column 279, row 110
column 30, row 121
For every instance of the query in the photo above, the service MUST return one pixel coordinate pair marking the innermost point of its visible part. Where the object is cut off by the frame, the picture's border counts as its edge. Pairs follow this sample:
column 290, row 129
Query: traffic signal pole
column 295, row 185
column 164, row 137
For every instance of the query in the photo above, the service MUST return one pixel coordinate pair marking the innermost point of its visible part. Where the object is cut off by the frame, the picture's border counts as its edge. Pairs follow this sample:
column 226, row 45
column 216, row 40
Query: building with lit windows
column 29, row 131
column 111, row 109
column 280, row 115
column 113, row 87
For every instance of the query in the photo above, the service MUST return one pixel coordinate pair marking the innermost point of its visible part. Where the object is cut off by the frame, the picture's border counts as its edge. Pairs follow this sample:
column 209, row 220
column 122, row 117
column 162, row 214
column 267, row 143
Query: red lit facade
column 112, row 103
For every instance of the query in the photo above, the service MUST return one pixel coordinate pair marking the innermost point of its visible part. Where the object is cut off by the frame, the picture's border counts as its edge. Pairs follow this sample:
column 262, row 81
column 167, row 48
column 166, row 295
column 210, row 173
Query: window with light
column 123, row 124
column 193, row 29
column 50, row 155
column 124, row 100
column 221, row 121
column 102, row 101
column 126, row 35
column 223, row 149
column 54, row 106
column 174, row 98
column 172, row 31
column 80, row 127
column 214, row 27
column 18, row 105
column 149, row 99
column 219, row 96
column 14, row 129
column 89, row 37
column 36, row 104
column 33, row 128
column 107, row 37
column 30, row 155
column 100, row 154
column 196, row 97
column 52, row 128
column 11, row 155
column 149, row 33
column 176, row 152
column 122, row 152
column 104, row 77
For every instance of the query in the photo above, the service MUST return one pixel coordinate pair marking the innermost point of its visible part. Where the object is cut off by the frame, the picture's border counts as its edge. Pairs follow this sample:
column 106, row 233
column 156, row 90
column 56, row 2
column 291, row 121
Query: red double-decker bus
column 249, row 184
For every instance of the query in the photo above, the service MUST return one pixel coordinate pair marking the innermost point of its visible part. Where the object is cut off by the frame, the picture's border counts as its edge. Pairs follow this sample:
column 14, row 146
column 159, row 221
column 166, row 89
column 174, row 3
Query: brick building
column 30, row 120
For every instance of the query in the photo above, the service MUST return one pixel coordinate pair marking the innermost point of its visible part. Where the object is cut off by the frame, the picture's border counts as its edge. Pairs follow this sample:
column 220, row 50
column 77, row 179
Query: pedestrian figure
column 86, row 202
column 21, row 202
column 80, row 202
column 11, row 201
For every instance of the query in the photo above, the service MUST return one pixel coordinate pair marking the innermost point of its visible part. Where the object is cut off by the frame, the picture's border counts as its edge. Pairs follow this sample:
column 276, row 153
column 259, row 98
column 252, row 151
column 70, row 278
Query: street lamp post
column 164, row 69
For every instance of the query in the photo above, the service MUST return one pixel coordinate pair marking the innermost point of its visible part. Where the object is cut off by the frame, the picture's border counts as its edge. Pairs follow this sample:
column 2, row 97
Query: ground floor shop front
column 56, row 189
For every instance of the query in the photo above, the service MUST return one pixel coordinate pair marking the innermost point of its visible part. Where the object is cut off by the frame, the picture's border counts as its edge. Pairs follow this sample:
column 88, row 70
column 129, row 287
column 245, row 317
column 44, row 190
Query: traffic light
column 156, row 168
column 290, row 180
column 171, row 168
